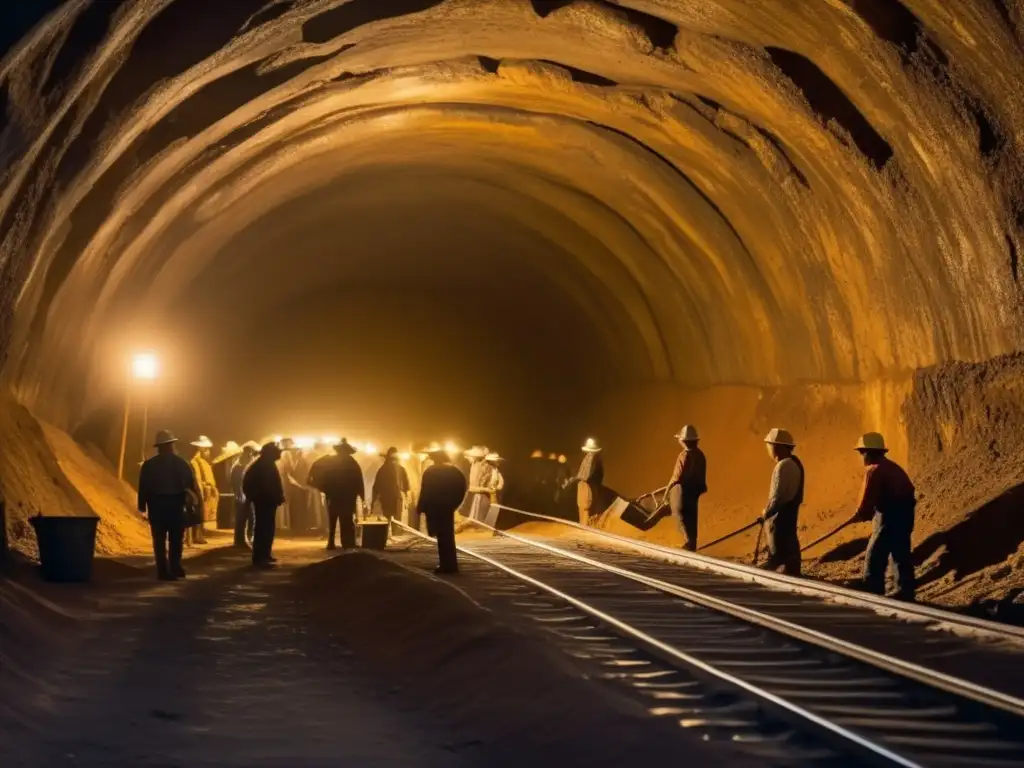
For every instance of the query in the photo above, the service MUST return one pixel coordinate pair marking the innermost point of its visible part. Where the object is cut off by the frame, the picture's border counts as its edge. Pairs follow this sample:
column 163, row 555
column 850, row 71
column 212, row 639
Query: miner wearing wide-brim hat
column 441, row 493
column 784, row 499
column 687, row 484
column 889, row 500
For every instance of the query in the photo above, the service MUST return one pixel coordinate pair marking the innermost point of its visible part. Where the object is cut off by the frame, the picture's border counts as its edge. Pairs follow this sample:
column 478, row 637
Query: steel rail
column 832, row 731
column 907, row 669
column 948, row 620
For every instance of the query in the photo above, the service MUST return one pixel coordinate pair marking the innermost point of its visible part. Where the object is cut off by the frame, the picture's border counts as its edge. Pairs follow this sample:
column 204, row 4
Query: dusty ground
column 221, row 670
column 355, row 660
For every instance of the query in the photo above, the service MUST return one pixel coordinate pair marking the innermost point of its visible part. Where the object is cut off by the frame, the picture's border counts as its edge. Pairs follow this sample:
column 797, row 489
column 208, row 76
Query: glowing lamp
column 405, row 455
column 370, row 448
column 331, row 440
column 145, row 367
column 304, row 443
column 451, row 448
column 278, row 438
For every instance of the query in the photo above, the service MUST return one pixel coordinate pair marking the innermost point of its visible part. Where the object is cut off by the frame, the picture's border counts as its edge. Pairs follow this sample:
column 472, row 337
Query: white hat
column 230, row 450
column 591, row 446
column 780, row 437
column 164, row 436
column 476, row 452
column 493, row 457
column 871, row 441
column 688, row 433
column 203, row 442
column 252, row 445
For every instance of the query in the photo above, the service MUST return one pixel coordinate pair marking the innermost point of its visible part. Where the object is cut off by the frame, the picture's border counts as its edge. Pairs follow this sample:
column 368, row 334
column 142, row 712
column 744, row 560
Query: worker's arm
column 143, row 489
column 678, row 471
column 869, row 495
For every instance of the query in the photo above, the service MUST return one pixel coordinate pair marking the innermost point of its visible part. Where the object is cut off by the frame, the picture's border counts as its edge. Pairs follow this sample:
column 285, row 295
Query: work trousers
column 341, row 513
column 783, row 545
column 684, row 507
column 264, row 530
column 443, row 525
column 167, row 524
column 890, row 539
column 243, row 522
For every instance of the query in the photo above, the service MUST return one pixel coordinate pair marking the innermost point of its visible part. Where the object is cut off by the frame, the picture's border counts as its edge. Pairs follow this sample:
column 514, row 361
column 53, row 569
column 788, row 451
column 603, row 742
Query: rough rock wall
column 782, row 191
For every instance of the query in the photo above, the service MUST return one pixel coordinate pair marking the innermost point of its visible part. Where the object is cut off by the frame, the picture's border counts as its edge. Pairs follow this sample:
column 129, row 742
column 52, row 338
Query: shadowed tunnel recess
column 526, row 205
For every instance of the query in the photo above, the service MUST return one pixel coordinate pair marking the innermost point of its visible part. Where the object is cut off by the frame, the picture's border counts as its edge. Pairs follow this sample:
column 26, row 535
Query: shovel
column 830, row 534
column 757, row 546
column 744, row 529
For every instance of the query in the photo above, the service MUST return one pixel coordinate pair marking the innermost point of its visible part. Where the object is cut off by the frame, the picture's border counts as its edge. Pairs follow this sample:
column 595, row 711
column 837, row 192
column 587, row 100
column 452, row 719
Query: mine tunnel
column 520, row 224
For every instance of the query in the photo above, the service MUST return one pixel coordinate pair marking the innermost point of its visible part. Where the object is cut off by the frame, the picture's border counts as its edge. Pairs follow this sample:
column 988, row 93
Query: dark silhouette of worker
column 340, row 478
column 784, row 499
column 687, row 484
column 443, row 489
column 591, row 480
column 889, row 498
column 262, row 486
column 165, row 482
column 391, row 485
column 243, row 507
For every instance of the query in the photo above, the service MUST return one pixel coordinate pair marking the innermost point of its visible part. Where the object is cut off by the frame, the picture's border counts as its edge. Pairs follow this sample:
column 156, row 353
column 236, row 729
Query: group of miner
column 888, row 499
column 178, row 496
column 169, row 487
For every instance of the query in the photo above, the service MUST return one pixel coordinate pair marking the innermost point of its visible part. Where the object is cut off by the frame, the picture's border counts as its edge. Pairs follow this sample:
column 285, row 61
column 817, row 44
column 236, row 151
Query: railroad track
column 790, row 695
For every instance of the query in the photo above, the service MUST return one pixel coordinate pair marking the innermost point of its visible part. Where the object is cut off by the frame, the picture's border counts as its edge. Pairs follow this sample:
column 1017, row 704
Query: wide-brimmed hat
column 163, row 437
column 203, row 442
column 780, row 437
column 433, row 450
column 476, row 452
column 251, row 445
column 688, row 434
column 271, row 450
column 494, row 457
column 231, row 448
column 591, row 446
column 392, row 451
column 345, row 447
column 871, row 441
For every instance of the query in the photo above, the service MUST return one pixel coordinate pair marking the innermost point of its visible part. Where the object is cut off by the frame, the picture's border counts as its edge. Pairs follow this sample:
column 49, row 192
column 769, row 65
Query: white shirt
column 785, row 484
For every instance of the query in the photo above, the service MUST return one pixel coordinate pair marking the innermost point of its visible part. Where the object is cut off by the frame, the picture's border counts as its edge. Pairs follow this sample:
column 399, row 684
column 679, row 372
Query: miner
column 784, row 500
column 210, row 496
column 391, row 486
column 591, row 479
column 243, row 508
column 478, row 498
column 687, row 484
column 262, row 486
column 340, row 478
column 165, row 482
column 444, row 488
column 494, row 480
column 889, row 499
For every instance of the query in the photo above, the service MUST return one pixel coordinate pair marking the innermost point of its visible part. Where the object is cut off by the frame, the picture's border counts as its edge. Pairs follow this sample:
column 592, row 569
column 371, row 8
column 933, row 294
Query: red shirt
column 886, row 486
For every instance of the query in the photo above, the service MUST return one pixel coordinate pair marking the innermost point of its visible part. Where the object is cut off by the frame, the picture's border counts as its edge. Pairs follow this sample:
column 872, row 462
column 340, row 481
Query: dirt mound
column 45, row 472
column 507, row 692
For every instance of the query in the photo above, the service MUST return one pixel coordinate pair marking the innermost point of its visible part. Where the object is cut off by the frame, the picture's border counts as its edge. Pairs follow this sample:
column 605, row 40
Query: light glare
column 145, row 367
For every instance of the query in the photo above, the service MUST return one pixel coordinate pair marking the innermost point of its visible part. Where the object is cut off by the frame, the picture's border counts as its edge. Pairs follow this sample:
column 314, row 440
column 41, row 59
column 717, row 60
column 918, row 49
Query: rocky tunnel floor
column 354, row 659
column 220, row 670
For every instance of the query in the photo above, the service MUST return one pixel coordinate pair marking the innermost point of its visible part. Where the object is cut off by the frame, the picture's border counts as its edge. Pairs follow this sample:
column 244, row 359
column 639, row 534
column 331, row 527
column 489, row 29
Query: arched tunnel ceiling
column 731, row 191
